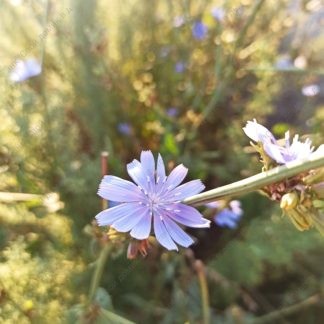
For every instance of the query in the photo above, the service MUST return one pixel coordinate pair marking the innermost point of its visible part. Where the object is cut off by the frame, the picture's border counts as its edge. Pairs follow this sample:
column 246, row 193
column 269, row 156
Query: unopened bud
column 289, row 201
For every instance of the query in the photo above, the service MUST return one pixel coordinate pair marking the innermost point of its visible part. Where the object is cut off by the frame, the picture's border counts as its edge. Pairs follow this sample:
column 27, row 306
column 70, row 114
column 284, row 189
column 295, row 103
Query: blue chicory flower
column 172, row 111
column 124, row 128
column 154, row 198
column 180, row 67
column 199, row 30
column 296, row 150
column 24, row 70
column 284, row 63
column 228, row 217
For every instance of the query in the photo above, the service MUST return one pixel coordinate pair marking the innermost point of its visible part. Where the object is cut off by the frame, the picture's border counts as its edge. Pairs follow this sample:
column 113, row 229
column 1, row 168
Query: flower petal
column 161, row 233
column 187, row 215
column 148, row 167
column 142, row 229
column 186, row 190
column 130, row 220
column 257, row 132
column 177, row 233
column 111, row 215
column 275, row 152
column 176, row 177
column 136, row 172
column 160, row 170
column 147, row 161
column 119, row 190
column 226, row 218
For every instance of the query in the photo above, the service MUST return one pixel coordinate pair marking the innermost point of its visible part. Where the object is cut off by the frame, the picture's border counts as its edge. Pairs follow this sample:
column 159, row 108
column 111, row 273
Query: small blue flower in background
column 199, row 30
column 180, row 67
column 155, row 198
column 284, row 63
column 172, row 111
column 124, row 128
column 296, row 150
column 218, row 13
column 227, row 217
column 24, row 70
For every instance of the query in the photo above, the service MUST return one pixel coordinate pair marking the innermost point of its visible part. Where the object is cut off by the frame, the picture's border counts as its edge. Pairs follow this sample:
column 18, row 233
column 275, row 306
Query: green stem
column 203, row 290
column 275, row 315
column 257, row 181
column 100, row 264
column 250, row 21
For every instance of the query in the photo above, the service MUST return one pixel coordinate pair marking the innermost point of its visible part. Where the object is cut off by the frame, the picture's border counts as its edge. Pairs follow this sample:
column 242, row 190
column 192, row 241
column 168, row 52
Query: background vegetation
column 180, row 78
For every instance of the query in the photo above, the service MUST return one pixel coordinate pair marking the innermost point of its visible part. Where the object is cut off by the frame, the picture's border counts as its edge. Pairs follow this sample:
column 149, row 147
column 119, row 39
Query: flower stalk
column 100, row 264
column 257, row 181
column 201, row 273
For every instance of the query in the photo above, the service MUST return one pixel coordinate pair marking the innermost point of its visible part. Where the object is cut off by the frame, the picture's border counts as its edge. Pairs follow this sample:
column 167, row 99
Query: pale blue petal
column 142, row 229
column 130, row 220
column 275, row 152
column 177, row 233
column 257, row 132
column 119, row 190
column 162, row 235
column 187, row 215
column 148, row 167
column 137, row 173
column 160, row 170
column 148, row 164
column 111, row 215
column 186, row 190
column 176, row 177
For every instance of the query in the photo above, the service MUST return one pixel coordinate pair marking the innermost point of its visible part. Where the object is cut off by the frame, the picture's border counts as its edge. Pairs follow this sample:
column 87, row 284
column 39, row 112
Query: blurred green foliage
column 126, row 76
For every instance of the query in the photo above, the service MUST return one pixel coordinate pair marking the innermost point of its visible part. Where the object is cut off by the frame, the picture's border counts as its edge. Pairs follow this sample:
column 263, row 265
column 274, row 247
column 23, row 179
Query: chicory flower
column 154, row 198
column 229, row 216
column 296, row 150
column 199, row 30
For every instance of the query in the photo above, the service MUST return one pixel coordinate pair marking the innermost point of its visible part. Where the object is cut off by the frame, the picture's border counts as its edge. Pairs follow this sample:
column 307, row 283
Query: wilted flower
column 24, row 70
column 155, row 198
column 199, row 30
column 311, row 90
column 300, row 196
column 296, row 150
